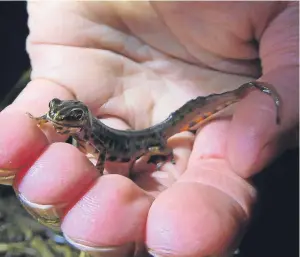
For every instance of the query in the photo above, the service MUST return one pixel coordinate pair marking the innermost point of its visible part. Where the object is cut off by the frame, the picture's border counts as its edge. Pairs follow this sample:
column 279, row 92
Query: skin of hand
column 133, row 63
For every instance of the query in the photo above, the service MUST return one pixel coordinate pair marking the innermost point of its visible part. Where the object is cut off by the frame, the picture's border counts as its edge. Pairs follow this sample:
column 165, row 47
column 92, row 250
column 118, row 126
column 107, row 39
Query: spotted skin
column 204, row 116
column 72, row 117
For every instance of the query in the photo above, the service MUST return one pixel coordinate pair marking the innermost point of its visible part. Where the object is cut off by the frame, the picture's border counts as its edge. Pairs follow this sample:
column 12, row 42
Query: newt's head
column 68, row 112
column 67, row 116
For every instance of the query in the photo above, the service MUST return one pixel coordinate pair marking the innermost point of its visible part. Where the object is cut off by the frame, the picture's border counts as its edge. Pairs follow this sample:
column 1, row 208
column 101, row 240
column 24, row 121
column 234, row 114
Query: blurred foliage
column 22, row 236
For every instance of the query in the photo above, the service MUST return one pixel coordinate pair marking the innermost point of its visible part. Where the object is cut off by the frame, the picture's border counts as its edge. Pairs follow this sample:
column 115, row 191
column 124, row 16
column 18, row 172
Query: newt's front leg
column 101, row 161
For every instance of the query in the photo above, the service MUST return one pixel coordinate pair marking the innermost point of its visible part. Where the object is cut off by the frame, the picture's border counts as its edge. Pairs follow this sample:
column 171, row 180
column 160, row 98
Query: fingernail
column 7, row 177
column 48, row 215
column 109, row 251
column 154, row 254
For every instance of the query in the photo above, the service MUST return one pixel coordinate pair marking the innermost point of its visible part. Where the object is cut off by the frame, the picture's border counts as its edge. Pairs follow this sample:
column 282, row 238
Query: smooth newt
column 73, row 118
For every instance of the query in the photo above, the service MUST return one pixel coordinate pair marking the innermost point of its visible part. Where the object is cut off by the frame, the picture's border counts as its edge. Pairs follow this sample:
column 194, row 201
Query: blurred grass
column 22, row 236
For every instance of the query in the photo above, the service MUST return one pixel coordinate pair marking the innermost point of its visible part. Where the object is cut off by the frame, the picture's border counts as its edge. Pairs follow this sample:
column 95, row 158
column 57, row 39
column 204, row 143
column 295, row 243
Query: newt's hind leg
column 101, row 161
column 158, row 155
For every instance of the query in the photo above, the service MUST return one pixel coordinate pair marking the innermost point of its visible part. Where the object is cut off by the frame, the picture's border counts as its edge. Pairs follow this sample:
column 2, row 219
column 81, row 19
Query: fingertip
column 113, row 202
column 21, row 141
column 59, row 174
column 193, row 219
column 252, row 130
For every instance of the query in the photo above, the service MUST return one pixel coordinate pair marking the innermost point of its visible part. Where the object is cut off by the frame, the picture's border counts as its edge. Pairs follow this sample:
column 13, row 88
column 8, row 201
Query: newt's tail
column 190, row 115
column 269, row 90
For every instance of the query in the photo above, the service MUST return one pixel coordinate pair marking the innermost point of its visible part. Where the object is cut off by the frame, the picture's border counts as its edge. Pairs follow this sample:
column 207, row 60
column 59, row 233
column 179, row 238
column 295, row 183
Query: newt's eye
column 54, row 102
column 76, row 115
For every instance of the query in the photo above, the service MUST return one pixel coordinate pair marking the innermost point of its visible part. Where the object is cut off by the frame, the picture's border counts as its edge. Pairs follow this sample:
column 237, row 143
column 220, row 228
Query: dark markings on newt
column 74, row 117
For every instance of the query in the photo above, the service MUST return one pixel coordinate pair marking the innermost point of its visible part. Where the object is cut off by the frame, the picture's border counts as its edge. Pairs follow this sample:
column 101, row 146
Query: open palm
column 133, row 64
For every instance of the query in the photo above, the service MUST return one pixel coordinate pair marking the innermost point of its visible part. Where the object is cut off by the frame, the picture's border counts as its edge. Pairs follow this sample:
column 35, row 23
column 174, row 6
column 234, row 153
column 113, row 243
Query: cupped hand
column 133, row 63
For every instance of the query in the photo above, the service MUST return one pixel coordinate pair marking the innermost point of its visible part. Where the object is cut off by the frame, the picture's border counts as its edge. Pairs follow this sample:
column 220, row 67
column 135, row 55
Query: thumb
column 255, row 139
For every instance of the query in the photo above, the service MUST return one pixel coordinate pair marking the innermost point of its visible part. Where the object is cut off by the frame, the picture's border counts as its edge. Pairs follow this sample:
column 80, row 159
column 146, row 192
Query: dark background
column 274, row 230
column 13, row 31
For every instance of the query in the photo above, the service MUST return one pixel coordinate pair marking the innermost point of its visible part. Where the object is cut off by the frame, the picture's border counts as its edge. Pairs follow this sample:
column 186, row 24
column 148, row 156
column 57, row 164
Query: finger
column 55, row 179
column 199, row 216
column 21, row 140
column 112, row 217
column 17, row 135
column 254, row 138
column 18, row 132
column 206, row 211
column 61, row 172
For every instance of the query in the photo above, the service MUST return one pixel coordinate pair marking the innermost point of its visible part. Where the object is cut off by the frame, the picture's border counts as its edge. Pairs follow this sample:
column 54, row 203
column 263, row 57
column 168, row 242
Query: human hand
column 134, row 63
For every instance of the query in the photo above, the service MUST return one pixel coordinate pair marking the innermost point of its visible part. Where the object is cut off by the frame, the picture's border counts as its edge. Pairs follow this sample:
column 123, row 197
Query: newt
column 73, row 118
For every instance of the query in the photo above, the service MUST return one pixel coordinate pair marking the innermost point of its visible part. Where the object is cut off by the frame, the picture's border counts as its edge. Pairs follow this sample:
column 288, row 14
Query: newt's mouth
column 56, row 123
column 40, row 120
